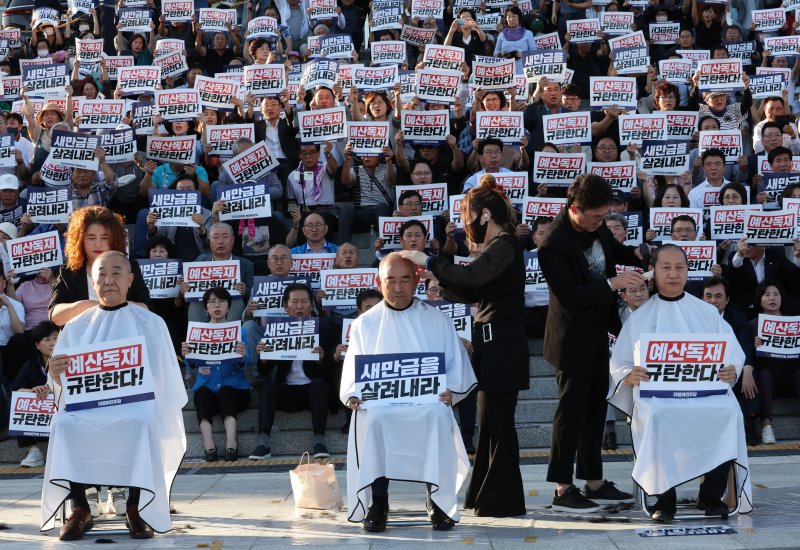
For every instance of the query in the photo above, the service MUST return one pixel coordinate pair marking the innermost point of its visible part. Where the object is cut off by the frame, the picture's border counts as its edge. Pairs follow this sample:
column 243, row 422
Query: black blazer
column 581, row 311
column 72, row 286
column 743, row 280
column 328, row 340
column 287, row 135
column 741, row 328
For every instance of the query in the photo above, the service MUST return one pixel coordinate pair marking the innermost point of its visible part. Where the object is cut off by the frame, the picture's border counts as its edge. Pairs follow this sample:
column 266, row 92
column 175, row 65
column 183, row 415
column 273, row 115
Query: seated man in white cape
column 115, row 437
column 678, row 438
column 418, row 442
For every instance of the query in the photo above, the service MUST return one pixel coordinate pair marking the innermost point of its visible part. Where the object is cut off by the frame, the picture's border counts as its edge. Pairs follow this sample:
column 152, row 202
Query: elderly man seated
column 678, row 438
column 111, row 437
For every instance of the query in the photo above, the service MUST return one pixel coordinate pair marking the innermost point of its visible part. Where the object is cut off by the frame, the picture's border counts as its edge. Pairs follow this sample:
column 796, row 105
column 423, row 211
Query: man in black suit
column 716, row 291
column 279, row 133
column 578, row 259
column 750, row 265
column 297, row 385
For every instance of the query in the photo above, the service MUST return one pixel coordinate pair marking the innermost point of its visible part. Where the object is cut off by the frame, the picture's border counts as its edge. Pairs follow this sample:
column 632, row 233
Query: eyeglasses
column 279, row 259
column 314, row 225
column 216, row 302
column 594, row 217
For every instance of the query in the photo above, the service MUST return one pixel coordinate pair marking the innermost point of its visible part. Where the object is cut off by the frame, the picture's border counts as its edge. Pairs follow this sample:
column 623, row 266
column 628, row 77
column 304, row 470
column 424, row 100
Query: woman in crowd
column 221, row 386
column 496, row 279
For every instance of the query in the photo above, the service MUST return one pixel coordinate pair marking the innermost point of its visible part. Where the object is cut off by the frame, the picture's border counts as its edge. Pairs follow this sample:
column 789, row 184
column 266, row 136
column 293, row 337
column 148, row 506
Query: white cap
column 9, row 229
column 9, row 181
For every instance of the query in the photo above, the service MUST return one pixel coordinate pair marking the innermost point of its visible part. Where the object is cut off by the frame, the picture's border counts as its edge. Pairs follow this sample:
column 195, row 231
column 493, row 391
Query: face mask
column 83, row 28
column 43, row 53
column 661, row 18
column 12, row 132
column 48, row 32
column 478, row 231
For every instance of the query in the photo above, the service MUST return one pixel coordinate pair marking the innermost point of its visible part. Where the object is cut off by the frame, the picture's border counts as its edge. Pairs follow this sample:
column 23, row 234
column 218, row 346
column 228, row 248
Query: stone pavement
column 256, row 510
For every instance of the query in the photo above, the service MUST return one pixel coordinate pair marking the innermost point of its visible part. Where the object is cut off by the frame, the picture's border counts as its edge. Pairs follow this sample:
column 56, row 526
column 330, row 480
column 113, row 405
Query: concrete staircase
column 292, row 434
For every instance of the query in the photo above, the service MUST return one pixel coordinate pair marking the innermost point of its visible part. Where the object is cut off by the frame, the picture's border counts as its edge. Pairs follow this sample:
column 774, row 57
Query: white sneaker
column 117, row 502
column 767, row 435
column 94, row 501
column 33, row 459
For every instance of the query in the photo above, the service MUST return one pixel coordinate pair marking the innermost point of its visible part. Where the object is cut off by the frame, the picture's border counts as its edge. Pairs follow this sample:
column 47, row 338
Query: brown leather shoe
column 78, row 523
column 137, row 528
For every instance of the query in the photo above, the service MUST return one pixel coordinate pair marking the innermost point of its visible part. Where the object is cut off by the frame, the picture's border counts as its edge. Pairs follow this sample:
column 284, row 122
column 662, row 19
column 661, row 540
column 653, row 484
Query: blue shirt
column 327, row 248
column 227, row 372
column 472, row 181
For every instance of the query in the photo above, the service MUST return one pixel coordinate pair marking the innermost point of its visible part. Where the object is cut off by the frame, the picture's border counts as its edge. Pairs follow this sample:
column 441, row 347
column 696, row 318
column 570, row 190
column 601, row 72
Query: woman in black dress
column 496, row 280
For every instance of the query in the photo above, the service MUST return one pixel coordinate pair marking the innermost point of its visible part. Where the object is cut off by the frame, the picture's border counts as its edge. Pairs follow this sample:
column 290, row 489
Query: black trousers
column 495, row 489
column 227, row 402
column 380, row 491
column 580, row 417
column 277, row 396
column 711, row 489
column 467, row 410
column 77, row 493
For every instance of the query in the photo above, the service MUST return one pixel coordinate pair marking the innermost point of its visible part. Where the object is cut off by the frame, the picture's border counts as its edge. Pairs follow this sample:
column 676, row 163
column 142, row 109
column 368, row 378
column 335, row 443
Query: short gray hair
column 617, row 217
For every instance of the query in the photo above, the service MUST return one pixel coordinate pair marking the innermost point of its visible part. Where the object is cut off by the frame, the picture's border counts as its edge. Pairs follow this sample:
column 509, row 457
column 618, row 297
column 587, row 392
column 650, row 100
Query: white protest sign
column 213, row 341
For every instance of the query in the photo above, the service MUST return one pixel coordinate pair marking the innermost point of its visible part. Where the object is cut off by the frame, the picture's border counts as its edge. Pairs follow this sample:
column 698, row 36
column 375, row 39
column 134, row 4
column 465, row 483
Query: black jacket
column 776, row 268
column 287, row 135
column 582, row 311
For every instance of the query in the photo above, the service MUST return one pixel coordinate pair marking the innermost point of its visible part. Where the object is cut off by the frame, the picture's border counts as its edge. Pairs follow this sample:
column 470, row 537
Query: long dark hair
column 487, row 194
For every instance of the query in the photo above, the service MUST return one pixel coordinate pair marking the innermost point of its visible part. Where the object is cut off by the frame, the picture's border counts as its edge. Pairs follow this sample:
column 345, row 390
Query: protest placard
column 368, row 138
column 583, row 30
column 389, row 229
column 534, row 278
column 720, row 75
column 388, row 52
column 780, row 336
column 262, row 27
column 557, row 169
column 100, row 114
column 606, row 91
column 742, row 51
column 7, row 148
column 664, row 157
column 138, row 80
column 507, row 126
column 635, row 128
column 681, row 125
column 514, row 185
column 336, row 46
column 767, row 85
column 177, row 10
column 438, row 86
column 678, row 362
column 11, row 86
column 267, row 293
column 386, row 16
column 30, row 416
column 200, row 276
column 212, row 20
column 47, row 79
column 34, row 252
column 727, row 222
column 632, row 60
column 252, row 164
column 177, row 149
column 664, row 33
column 74, row 149
column 49, row 205
column 549, row 64
column 778, row 227
column 174, row 208
column 323, row 125
column 320, row 72
column 434, row 196
column 223, row 137
column 774, row 184
column 309, row 266
column 115, row 63
column 455, row 210
column 244, row 201
column 322, row 9
column 425, row 127
column 567, row 128
column 134, row 20
column 142, row 113
column 107, row 374
column 635, row 235
column 536, row 208
column 772, row 19
column 620, row 175
column 701, row 255
column 417, row 35
column 217, row 93
column 55, row 174
column 400, row 379
column 458, row 313
column 342, row 286
column 290, row 338
column 382, row 77
column 661, row 220
column 89, row 50
column 427, row 8
column 448, row 58
column 727, row 141
column 213, row 341
column 695, row 56
column 178, row 105
column 676, row 71
column 549, row 41
column 13, row 36
column 172, row 64
column 161, row 277
column 497, row 74
column 615, row 23
column 265, row 80
column 627, row 41
column 782, row 46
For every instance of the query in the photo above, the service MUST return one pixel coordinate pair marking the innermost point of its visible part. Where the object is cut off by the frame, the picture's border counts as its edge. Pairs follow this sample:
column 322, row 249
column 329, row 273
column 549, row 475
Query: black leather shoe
column 137, row 528
column 439, row 520
column 78, row 523
column 713, row 508
column 665, row 508
column 375, row 521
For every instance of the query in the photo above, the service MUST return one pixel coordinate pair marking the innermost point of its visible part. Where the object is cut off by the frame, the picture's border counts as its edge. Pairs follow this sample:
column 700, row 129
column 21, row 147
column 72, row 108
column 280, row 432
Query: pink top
column 35, row 297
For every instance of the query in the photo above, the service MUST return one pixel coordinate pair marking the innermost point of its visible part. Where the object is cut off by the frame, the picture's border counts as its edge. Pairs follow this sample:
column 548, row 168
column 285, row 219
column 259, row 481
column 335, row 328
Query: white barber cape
column 677, row 440
column 411, row 443
column 132, row 445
